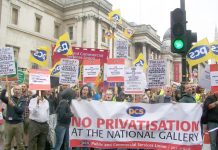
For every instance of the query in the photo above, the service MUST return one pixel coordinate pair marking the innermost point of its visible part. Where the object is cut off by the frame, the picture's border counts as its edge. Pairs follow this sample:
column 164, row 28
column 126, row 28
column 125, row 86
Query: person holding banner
column 187, row 97
column 85, row 93
column 14, row 117
column 211, row 103
column 64, row 115
column 38, row 126
column 109, row 95
column 166, row 97
column 138, row 98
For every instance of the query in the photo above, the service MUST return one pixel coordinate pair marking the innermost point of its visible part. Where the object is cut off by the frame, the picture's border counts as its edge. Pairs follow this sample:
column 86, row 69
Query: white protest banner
column 204, row 80
column 156, row 75
column 7, row 63
column 69, row 71
column 115, row 69
column 121, row 49
column 134, row 81
column 39, row 79
column 130, row 125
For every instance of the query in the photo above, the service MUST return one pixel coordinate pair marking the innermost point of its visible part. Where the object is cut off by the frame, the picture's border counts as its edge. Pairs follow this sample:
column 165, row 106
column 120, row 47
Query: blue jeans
column 62, row 137
column 213, row 135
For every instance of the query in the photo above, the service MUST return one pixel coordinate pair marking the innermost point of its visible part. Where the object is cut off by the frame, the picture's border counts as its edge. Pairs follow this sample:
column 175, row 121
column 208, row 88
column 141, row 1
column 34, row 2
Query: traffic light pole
column 184, row 63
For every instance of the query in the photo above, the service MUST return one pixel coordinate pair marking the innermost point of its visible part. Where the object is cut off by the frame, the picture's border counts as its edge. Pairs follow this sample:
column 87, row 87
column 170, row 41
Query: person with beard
column 187, row 97
column 64, row 115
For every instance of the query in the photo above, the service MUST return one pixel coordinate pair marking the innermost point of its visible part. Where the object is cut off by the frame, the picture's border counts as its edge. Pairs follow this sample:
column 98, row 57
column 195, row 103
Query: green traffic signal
column 178, row 44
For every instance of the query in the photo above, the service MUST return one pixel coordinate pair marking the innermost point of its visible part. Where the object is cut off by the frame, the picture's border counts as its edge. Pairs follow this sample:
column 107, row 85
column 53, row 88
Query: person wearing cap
column 211, row 103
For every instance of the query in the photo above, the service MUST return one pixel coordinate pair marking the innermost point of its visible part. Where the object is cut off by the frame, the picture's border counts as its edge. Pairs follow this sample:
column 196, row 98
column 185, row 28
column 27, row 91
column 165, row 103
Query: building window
column 71, row 32
column 103, row 36
column 34, row 66
column 16, row 51
column 56, row 30
column 38, row 23
column 14, row 18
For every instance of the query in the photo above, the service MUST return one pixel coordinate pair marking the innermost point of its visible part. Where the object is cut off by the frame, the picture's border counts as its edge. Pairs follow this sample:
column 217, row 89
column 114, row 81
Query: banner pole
column 8, row 88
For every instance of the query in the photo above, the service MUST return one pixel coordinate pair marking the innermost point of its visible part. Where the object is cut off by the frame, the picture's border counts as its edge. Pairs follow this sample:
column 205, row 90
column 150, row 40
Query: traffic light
column 178, row 31
column 191, row 38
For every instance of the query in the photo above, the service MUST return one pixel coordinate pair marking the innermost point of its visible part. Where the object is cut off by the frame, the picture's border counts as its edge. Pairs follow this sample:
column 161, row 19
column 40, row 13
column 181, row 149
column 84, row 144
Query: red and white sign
column 84, row 54
column 91, row 69
column 214, row 77
column 39, row 79
column 115, row 70
column 136, row 126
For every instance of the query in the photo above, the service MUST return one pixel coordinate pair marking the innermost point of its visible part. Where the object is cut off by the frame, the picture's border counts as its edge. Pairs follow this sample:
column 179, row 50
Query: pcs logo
column 40, row 55
column 56, row 70
column 85, row 143
column 136, row 111
column 198, row 52
column 63, row 48
column 214, row 48
column 116, row 17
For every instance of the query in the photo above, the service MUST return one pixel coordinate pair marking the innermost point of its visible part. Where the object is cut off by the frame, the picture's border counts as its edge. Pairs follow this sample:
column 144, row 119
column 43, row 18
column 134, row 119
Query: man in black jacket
column 14, row 118
column 64, row 115
column 211, row 104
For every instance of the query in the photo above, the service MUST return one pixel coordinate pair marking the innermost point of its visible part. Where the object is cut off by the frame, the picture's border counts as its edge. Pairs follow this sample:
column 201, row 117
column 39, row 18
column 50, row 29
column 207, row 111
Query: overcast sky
column 202, row 15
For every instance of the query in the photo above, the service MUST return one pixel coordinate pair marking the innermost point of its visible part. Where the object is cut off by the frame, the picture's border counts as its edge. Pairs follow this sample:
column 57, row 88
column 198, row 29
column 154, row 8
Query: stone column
column 144, row 51
column 79, row 33
column 99, row 34
column 90, row 32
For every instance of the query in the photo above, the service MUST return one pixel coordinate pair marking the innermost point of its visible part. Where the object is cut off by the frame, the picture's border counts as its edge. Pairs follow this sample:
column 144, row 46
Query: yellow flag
column 214, row 49
column 200, row 52
column 108, row 34
column 40, row 56
column 115, row 16
column 140, row 61
column 128, row 33
column 98, row 79
column 63, row 45
column 55, row 71
column 80, row 72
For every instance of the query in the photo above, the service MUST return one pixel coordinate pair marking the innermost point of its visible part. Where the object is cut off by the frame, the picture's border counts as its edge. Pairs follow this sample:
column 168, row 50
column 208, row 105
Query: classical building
column 174, row 65
column 27, row 24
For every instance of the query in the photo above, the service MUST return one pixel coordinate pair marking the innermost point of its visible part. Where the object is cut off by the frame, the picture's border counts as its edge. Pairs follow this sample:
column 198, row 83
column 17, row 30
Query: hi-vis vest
column 198, row 97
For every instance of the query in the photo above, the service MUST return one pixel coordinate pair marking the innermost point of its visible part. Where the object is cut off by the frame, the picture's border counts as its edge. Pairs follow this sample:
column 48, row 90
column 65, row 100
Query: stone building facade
column 27, row 24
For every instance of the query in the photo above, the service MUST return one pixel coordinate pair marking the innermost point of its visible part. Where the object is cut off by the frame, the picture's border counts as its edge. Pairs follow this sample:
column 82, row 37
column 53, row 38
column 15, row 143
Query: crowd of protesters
column 28, row 115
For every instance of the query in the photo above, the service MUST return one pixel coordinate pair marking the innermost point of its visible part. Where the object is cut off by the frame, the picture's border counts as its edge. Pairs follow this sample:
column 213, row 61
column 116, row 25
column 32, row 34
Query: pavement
column 1, row 144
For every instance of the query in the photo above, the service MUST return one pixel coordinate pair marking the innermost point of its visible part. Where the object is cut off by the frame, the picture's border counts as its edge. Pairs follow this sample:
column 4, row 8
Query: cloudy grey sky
column 202, row 15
